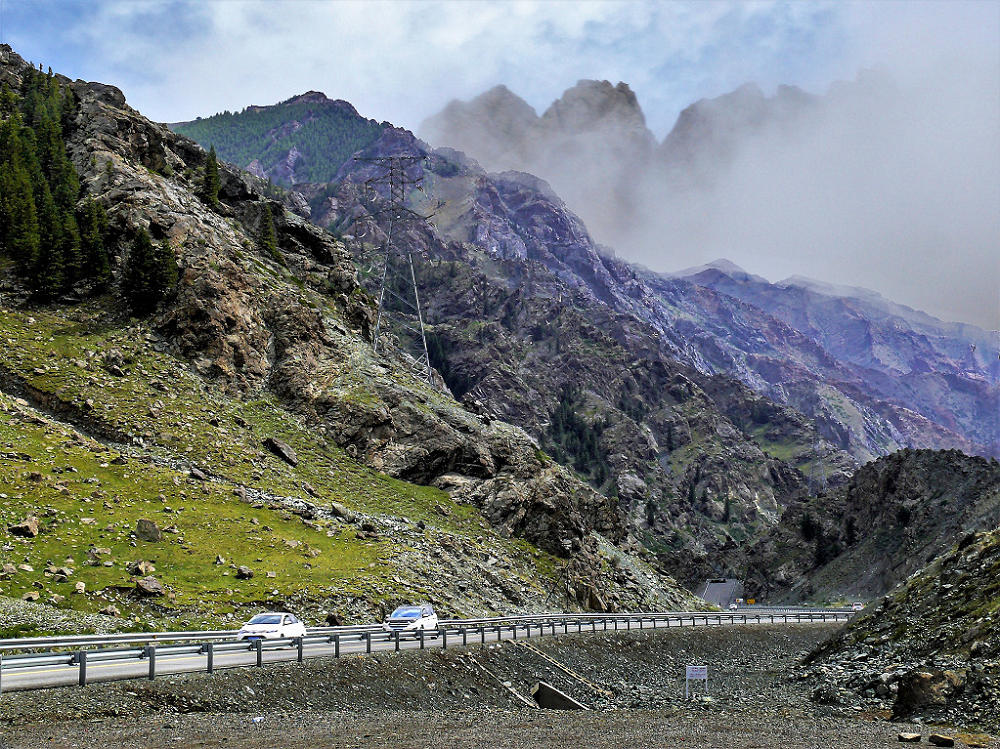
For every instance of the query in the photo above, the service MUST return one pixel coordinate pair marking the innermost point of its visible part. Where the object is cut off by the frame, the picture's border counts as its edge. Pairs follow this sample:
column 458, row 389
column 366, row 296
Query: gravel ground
column 458, row 699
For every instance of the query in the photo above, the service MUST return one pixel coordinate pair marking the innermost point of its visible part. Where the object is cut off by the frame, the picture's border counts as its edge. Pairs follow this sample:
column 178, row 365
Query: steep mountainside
column 894, row 516
column 247, row 417
column 931, row 649
column 943, row 371
column 529, row 322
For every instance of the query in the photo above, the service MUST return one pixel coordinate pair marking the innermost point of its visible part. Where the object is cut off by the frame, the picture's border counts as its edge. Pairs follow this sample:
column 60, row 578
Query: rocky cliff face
column 256, row 343
column 873, row 376
column 930, row 649
column 893, row 517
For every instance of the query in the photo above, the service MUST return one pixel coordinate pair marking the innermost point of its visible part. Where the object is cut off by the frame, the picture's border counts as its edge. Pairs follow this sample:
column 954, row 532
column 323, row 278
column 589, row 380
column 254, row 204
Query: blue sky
column 403, row 60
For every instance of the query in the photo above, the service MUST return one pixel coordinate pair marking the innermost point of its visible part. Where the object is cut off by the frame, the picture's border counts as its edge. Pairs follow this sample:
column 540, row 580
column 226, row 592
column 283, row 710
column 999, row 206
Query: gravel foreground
column 459, row 698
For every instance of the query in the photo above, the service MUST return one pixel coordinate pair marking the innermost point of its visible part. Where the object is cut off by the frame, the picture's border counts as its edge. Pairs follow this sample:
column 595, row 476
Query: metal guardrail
column 82, row 650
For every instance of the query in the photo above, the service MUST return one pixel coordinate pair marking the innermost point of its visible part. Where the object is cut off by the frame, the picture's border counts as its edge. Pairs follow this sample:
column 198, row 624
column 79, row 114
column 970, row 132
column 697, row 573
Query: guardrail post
column 444, row 639
column 302, row 647
column 396, row 638
column 514, row 630
column 336, row 646
column 465, row 635
column 1, row 673
column 482, row 636
column 499, row 632
column 260, row 652
column 151, row 654
column 210, row 652
column 421, row 635
column 628, row 624
column 527, row 629
column 81, row 657
column 368, row 642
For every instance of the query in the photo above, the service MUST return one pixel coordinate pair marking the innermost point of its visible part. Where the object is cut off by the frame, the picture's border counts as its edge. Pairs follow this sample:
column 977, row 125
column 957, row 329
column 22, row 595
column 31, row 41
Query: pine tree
column 210, row 186
column 148, row 274
column 268, row 237
column 93, row 223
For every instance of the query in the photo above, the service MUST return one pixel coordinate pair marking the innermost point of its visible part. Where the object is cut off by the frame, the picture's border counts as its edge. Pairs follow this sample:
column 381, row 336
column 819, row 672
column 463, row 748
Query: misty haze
column 875, row 183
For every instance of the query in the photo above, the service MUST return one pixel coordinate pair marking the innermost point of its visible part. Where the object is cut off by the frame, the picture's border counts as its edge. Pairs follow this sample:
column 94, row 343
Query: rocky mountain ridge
column 263, row 345
column 894, row 516
column 929, row 650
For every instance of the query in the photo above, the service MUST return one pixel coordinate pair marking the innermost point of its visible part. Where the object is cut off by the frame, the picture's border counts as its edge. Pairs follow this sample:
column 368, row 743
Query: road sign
column 695, row 673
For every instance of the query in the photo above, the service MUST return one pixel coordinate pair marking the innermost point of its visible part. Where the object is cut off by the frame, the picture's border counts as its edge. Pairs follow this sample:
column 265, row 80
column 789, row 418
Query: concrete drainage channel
column 37, row 663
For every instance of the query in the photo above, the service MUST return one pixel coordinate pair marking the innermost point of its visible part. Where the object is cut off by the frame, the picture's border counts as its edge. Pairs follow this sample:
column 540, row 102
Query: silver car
column 272, row 625
column 411, row 619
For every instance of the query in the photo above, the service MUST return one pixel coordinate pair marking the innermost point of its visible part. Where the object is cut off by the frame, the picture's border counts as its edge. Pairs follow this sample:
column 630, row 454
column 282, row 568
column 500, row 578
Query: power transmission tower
column 817, row 471
column 398, row 263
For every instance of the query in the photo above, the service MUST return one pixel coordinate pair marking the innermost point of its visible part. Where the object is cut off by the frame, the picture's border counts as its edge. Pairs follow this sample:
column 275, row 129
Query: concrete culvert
column 549, row 697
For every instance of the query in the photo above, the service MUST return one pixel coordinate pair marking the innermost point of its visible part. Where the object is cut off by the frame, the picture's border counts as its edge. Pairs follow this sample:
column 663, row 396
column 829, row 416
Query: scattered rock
column 909, row 738
column 110, row 611
column 27, row 528
column 243, row 573
column 282, row 450
column 150, row 586
column 198, row 474
column 140, row 568
column 939, row 739
column 147, row 530
column 80, row 588
column 31, row 595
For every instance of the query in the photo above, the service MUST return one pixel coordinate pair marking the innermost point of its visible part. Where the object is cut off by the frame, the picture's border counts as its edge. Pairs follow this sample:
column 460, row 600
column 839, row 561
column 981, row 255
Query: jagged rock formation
column 893, row 517
column 590, row 144
column 930, row 649
column 278, row 340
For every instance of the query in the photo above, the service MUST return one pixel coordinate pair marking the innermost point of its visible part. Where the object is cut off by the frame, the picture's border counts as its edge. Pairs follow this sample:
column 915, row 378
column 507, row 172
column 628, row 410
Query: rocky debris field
column 632, row 681
column 930, row 649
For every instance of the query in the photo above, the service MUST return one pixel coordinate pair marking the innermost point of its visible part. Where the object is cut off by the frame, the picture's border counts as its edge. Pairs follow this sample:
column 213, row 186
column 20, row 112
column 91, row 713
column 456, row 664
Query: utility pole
column 398, row 263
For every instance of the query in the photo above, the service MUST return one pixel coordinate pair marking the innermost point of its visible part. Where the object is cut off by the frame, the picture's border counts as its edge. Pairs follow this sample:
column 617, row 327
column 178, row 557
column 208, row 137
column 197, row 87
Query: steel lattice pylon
column 398, row 263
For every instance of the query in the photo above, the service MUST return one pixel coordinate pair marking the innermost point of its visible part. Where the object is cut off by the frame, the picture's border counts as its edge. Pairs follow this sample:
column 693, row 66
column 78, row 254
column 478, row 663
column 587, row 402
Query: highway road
column 109, row 665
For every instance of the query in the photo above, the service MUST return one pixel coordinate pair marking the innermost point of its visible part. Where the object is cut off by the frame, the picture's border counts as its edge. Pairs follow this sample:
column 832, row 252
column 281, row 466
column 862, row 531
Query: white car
column 733, row 607
column 857, row 606
column 411, row 618
column 272, row 625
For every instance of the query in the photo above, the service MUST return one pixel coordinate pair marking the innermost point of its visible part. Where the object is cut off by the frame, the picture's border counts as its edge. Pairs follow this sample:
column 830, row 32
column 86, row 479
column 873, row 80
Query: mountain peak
column 594, row 104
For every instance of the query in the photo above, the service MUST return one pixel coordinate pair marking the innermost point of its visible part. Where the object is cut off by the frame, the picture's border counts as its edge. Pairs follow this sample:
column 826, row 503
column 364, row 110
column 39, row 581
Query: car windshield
column 406, row 612
column 266, row 619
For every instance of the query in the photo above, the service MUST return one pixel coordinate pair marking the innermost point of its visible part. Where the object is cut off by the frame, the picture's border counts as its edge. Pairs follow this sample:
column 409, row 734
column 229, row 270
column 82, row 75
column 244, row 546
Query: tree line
column 53, row 239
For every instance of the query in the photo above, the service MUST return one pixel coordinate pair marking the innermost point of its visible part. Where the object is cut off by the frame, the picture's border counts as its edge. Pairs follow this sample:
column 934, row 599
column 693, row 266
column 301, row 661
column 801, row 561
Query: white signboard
column 695, row 673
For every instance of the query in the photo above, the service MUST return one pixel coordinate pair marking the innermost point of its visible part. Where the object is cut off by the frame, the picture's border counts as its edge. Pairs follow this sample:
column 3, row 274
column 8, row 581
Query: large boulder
column 27, row 528
column 147, row 530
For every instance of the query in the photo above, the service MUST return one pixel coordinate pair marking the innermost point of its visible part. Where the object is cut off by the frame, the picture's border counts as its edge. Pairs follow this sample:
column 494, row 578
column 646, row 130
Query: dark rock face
column 282, row 450
column 893, row 517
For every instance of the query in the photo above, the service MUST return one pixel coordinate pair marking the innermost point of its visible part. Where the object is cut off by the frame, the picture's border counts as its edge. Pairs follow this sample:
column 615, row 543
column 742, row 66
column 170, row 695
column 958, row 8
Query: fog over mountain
column 890, row 181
